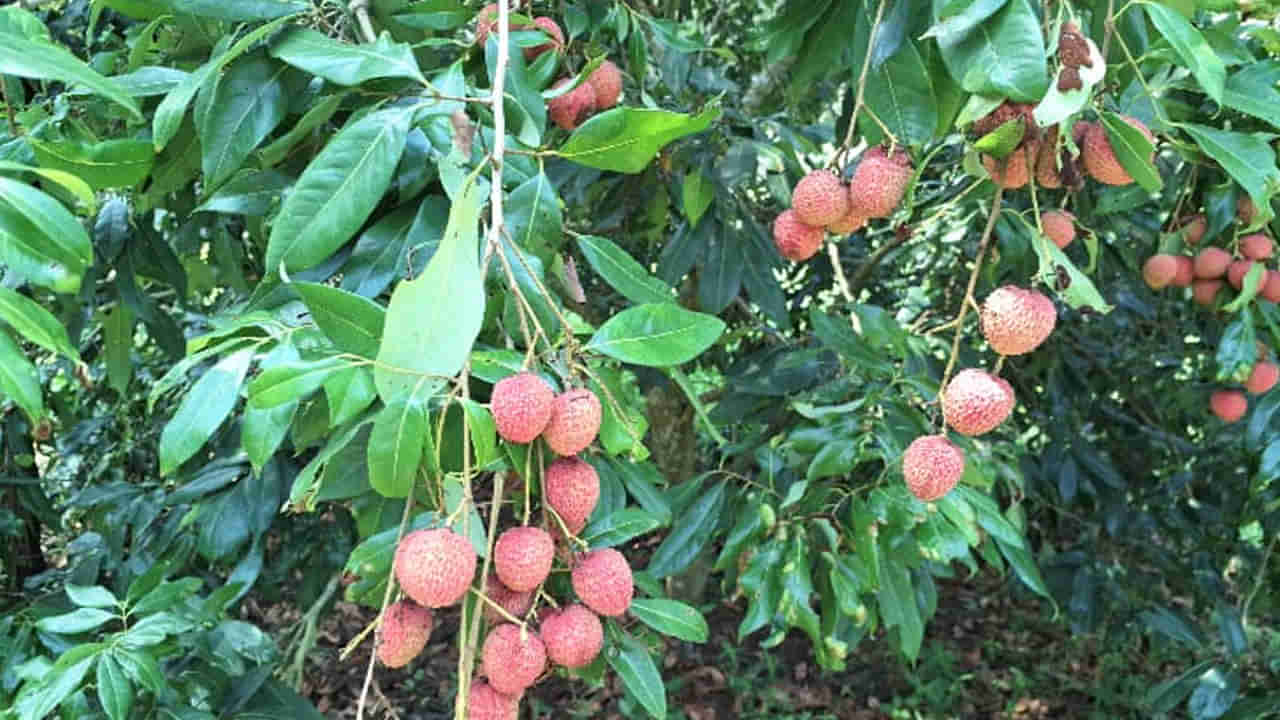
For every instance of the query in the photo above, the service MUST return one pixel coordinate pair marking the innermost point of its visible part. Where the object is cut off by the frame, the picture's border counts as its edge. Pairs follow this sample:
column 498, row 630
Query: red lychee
column 572, row 488
column 1204, row 291
column 569, row 109
column 522, row 557
column 795, row 240
column 1185, row 271
column 603, row 582
column 486, row 21
column 1271, row 286
column 820, row 198
column 515, row 603
column 1013, row 170
column 932, row 466
column 1016, row 320
column 550, row 27
column 1228, row 405
column 1099, row 157
column 485, row 703
column 406, row 627
column 1159, row 271
column 975, row 402
column 521, row 407
column 575, row 422
column 607, row 81
column 573, row 636
column 513, row 658
column 1194, row 228
column 1236, row 272
column 435, row 567
column 1256, row 246
column 851, row 222
column 1263, row 378
column 1212, row 263
column 879, row 182
column 1059, row 226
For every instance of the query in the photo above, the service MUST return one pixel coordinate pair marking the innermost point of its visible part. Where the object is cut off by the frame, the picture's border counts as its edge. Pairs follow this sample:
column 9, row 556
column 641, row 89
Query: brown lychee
column 1262, row 378
column 569, row 109
column 607, row 81
column 1013, row 170
column 1159, row 271
column 522, row 557
column 975, row 402
column 575, row 422
column 406, row 627
column 435, row 567
column 572, row 488
column 1204, row 291
column 1212, row 263
column 485, row 703
column 1100, row 159
column 603, row 582
column 516, row 604
column 521, row 407
column 879, row 182
column 1228, row 405
column 795, row 240
column 932, row 465
column 1059, row 226
column 1048, row 170
column 820, row 198
column 550, row 27
column 573, row 636
column 1256, row 246
column 513, row 658
column 1016, row 320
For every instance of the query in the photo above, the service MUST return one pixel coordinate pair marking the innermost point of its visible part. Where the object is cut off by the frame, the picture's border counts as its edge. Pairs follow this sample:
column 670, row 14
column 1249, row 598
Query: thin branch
column 386, row 600
column 1110, row 28
column 361, row 10
column 862, row 78
column 842, row 282
column 1258, row 582
column 863, row 273
column 973, row 282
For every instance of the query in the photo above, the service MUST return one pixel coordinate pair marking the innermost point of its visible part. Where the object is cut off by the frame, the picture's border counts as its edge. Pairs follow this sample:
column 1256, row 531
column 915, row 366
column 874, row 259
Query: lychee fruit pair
column 406, row 627
column 600, row 91
column 1016, row 320
column 435, row 567
column 975, row 402
column 1099, row 157
column 932, row 465
column 524, row 406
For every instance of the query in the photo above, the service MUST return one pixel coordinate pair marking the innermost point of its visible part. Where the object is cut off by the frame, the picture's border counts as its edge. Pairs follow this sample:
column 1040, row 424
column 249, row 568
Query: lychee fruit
column 879, row 182
column 851, row 222
column 820, row 198
column 575, row 422
column 1271, row 286
column 572, row 488
column 1059, row 226
column 522, row 557
column 1256, row 246
column 795, row 240
column 568, row 110
column 1194, row 228
column 932, row 465
column 975, row 402
column 521, row 407
column 1012, row 171
column 573, row 636
column 607, row 81
column 486, row 21
column 1185, row 271
column 485, row 703
column 1263, row 378
column 1212, row 263
column 406, row 626
column 550, row 27
column 1016, row 320
column 435, row 567
column 1159, row 271
column 517, row 604
column 1100, row 159
column 1204, row 291
column 602, row 580
column 1236, row 272
column 513, row 658
column 1245, row 210
column 1048, row 175
column 1228, row 405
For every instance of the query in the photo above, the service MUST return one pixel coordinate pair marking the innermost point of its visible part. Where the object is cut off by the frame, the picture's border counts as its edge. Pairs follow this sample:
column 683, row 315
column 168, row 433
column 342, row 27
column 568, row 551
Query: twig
column 307, row 638
column 973, row 282
column 862, row 80
column 864, row 271
column 842, row 283
column 361, row 10
column 386, row 600
column 1109, row 25
column 467, row 658
column 1258, row 581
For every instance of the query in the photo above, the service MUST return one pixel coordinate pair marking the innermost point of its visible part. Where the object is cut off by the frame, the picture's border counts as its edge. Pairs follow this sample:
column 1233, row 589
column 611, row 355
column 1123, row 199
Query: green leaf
column 622, row 272
column 1247, row 158
column 689, row 534
column 1255, row 89
column 899, row 92
column 42, row 60
column 205, row 406
column 77, row 621
column 1081, row 292
column 263, row 429
column 94, row 596
column 395, row 447
column 435, row 15
column 1004, row 57
column 1163, row 697
column 533, row 218
column 35, row 323
column 354, row 323
column 295, row 380
column 250, row 192
column 618, row 527
column 19, row 379
column 1249, row 287
column 1237, row 349
column 40, row 239
column 1191, row 46
column 951, row 24
column 696, row 194
column 106, row 164
column 671, row 617
column 71, row 183
column 349, row 392
column 248, row 102
column 656, row 334
column 625, row 139
column 421, row 339
column 1214, row 694
column 56, row 686
column 1133, row 150
column 898, row 607
column 241, row 10
column 338, row 190
column 115, row 691
column 344, row 63
column 631, row 660
column 318, row 115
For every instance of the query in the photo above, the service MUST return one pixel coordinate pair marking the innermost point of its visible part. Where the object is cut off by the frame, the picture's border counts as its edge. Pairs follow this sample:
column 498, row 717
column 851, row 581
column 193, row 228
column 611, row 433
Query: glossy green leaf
column 671, row 617
column 29, row 58
column 250, row 192
column 262, row 430
column 71, row 183
column 622, row 272
column 40, row 239
column 115, row 691
column 1191, row 46
column 631, row 660
column 953, row 20
column 57, row 686
column 1255, row 89
column 690, row 533
column 1247, row 158
column 354, row 323
column 349, row 392
column 77, row 621
column 248, row 102
column 19, row 380
column 346, row 63
column 619, row 527
column 106, row 164
column 1214, row 694
column 625, row 139
column 656, row 334
column 1081, row 292
column 533, row 218
column 241, row 10
column 1133, row 150
column 35, row 323
column 94, row 596
column 696, row 194
column 899, row 92
column 898, row 607
column 295, row 380
column 203, row 409
column 395, row 447
column 1003, row 57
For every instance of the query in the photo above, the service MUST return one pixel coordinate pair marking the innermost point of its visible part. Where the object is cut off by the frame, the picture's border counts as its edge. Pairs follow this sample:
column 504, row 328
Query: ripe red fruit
column 1013, row 170
column 1160, row 270
column 573, row 636
column 572, row 488
column 1228, row 405
column 406, row 627
column 1271, row 286
column 1236, row 272
column 522, row 557
column 1059, row 226
column 851, row 222
column 1185, row 272
column 932, row 466
column 1016, row 320
column 435, row 567
column 603, row 582
column 820, row 198
column 486, row 21
column 607, row 82
column 879, row 182
column 975, row 402
column 1212, row 263
column 521, row 407
column 795, row 240
column 485, row 703
column 1256, row 246
column 571, row 108
column 575, row 421
column 550, row 27
column 515, row 603
column 1194, row 228
column 1100, row 159
column 513, row 658
column 1263, row 378
column 1204, row 291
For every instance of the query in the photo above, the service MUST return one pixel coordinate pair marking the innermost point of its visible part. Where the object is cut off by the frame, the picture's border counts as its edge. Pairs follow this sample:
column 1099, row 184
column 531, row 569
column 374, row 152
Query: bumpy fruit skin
column 1099, row 158
column 932, row 466
column 879, row 182
column 1059, row 226
column 1016, row 320
column 521, row 407
column 1013, row 170
column 522, row 557
column 975, row 402
column 572, row 488
column 603, row 582
column 571, row 108
column 485, row 703
column 575, row 422
column 850, row 223
column 1048, row 174
column 550, row 27
column 512, row 663
column 515, row 603
column 1256, row 246
column 1204, row 291
column 1212, row 263
column 1236, row 272
column 1228, row 405
column 406, row 627
column 435, row 567
column 1159, row 271
column 607, row 82
column 1194, row 229
column 573, row 636
column 486, row 21
column 1263, row 378
column 1271, row 286
column 1184, row 273
column 795, row 240
column 820, row 198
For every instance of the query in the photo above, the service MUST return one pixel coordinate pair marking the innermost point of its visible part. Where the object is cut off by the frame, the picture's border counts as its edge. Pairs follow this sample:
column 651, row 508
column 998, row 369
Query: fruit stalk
column 973, row 282
column 862, row 85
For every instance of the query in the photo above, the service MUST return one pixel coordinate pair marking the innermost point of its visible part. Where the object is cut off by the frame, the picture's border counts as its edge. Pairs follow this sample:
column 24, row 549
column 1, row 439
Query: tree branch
column 973, row 282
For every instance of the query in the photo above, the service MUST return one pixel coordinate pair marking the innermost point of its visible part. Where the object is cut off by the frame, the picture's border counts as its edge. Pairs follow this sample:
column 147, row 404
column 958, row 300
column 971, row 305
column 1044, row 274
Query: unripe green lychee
column 1212, row 263
column 1228, row 405
column 571, row 108
column 1059, row 226
column 1185, row 272
column 1256, row 246
column 1100, row 159
column 1016, row 320
column 572, row 488
column 550, row 27
column 1236, row 272
column 851, row 222
column 607, row 82
column 932, row 466
column 485, row 703
column 1159, row 271
column 575, row 422
column 879, row 182
column 513, row 658
column 435, row 567
column 521, row 407
column 522, row 557
column 975, row 402
column 603, row 582
column 515, row 603
column 795, row 240
column 1262, row 378
column 820, row 198
column 1204, row 291
column 406, row 627
column 573, row 636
